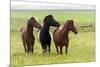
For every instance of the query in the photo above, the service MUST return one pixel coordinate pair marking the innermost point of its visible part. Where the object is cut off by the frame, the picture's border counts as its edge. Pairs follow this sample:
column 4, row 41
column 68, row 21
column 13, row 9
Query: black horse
column 45, row 38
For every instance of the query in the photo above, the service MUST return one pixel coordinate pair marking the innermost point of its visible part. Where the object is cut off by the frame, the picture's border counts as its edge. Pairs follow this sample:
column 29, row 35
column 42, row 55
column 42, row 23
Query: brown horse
column 61, row 37
column 27, row 35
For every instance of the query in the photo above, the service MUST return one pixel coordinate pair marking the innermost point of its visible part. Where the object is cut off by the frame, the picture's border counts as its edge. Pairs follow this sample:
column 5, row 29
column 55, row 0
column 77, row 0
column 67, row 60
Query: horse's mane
column 46, row 17
column 55, row 30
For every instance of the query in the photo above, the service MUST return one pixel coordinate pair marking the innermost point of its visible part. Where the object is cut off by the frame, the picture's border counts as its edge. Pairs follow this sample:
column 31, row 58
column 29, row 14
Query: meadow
column 81, row 46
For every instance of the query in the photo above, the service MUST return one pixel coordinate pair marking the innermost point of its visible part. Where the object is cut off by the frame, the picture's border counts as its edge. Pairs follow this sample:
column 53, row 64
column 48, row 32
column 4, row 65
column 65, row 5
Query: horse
column 44, row 36
column 60, row 35
column 27, row 35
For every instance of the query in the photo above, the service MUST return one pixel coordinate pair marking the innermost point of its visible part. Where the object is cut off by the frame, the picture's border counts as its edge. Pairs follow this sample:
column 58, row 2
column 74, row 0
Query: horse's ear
column 31, row 18
column 71, row 21
column 29, row 22
column 50, row 15
column 45, row 19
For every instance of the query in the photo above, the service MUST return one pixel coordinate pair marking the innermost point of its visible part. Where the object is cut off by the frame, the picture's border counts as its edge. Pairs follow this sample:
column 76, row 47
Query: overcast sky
column 53, row 5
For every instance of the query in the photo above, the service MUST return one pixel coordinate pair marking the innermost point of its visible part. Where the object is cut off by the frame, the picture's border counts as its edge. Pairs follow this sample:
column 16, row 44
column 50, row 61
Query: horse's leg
column 24, row 47
column 49, row 49
column 28, row 47
column 66, row 47
column 32, row 47
column 43, row 47
column 61, row 49
column 57, row 49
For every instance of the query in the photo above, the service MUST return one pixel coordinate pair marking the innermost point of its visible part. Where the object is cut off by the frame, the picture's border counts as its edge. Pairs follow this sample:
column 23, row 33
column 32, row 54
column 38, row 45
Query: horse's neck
column 65, row 31
column 30, row 30
column 46, row 27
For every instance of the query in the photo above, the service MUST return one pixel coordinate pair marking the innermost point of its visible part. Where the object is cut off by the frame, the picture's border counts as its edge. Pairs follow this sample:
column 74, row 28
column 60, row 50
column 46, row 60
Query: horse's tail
column 21, row 29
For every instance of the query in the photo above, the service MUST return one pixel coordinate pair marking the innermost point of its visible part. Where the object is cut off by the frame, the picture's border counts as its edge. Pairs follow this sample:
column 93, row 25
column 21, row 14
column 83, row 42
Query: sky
column 52, row 5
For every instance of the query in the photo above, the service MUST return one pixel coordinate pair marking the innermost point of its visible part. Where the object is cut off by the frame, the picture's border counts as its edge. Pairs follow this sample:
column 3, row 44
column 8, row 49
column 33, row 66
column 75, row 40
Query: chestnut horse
column 27, row 36
column 45, row 38
column 60, row 35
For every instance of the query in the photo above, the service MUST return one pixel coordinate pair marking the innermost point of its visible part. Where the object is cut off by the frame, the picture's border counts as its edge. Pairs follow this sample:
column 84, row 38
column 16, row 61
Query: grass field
column 81, row 46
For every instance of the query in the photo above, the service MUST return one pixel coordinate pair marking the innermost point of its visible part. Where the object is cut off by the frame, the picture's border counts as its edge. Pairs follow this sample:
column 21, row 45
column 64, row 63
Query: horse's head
column 32, row 22
column 51, row 21
column 71, row 26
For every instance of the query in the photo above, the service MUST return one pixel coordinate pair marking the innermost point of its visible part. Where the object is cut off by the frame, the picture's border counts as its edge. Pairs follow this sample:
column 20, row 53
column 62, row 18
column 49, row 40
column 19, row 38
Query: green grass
column 81, row 46
column 61, row 16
